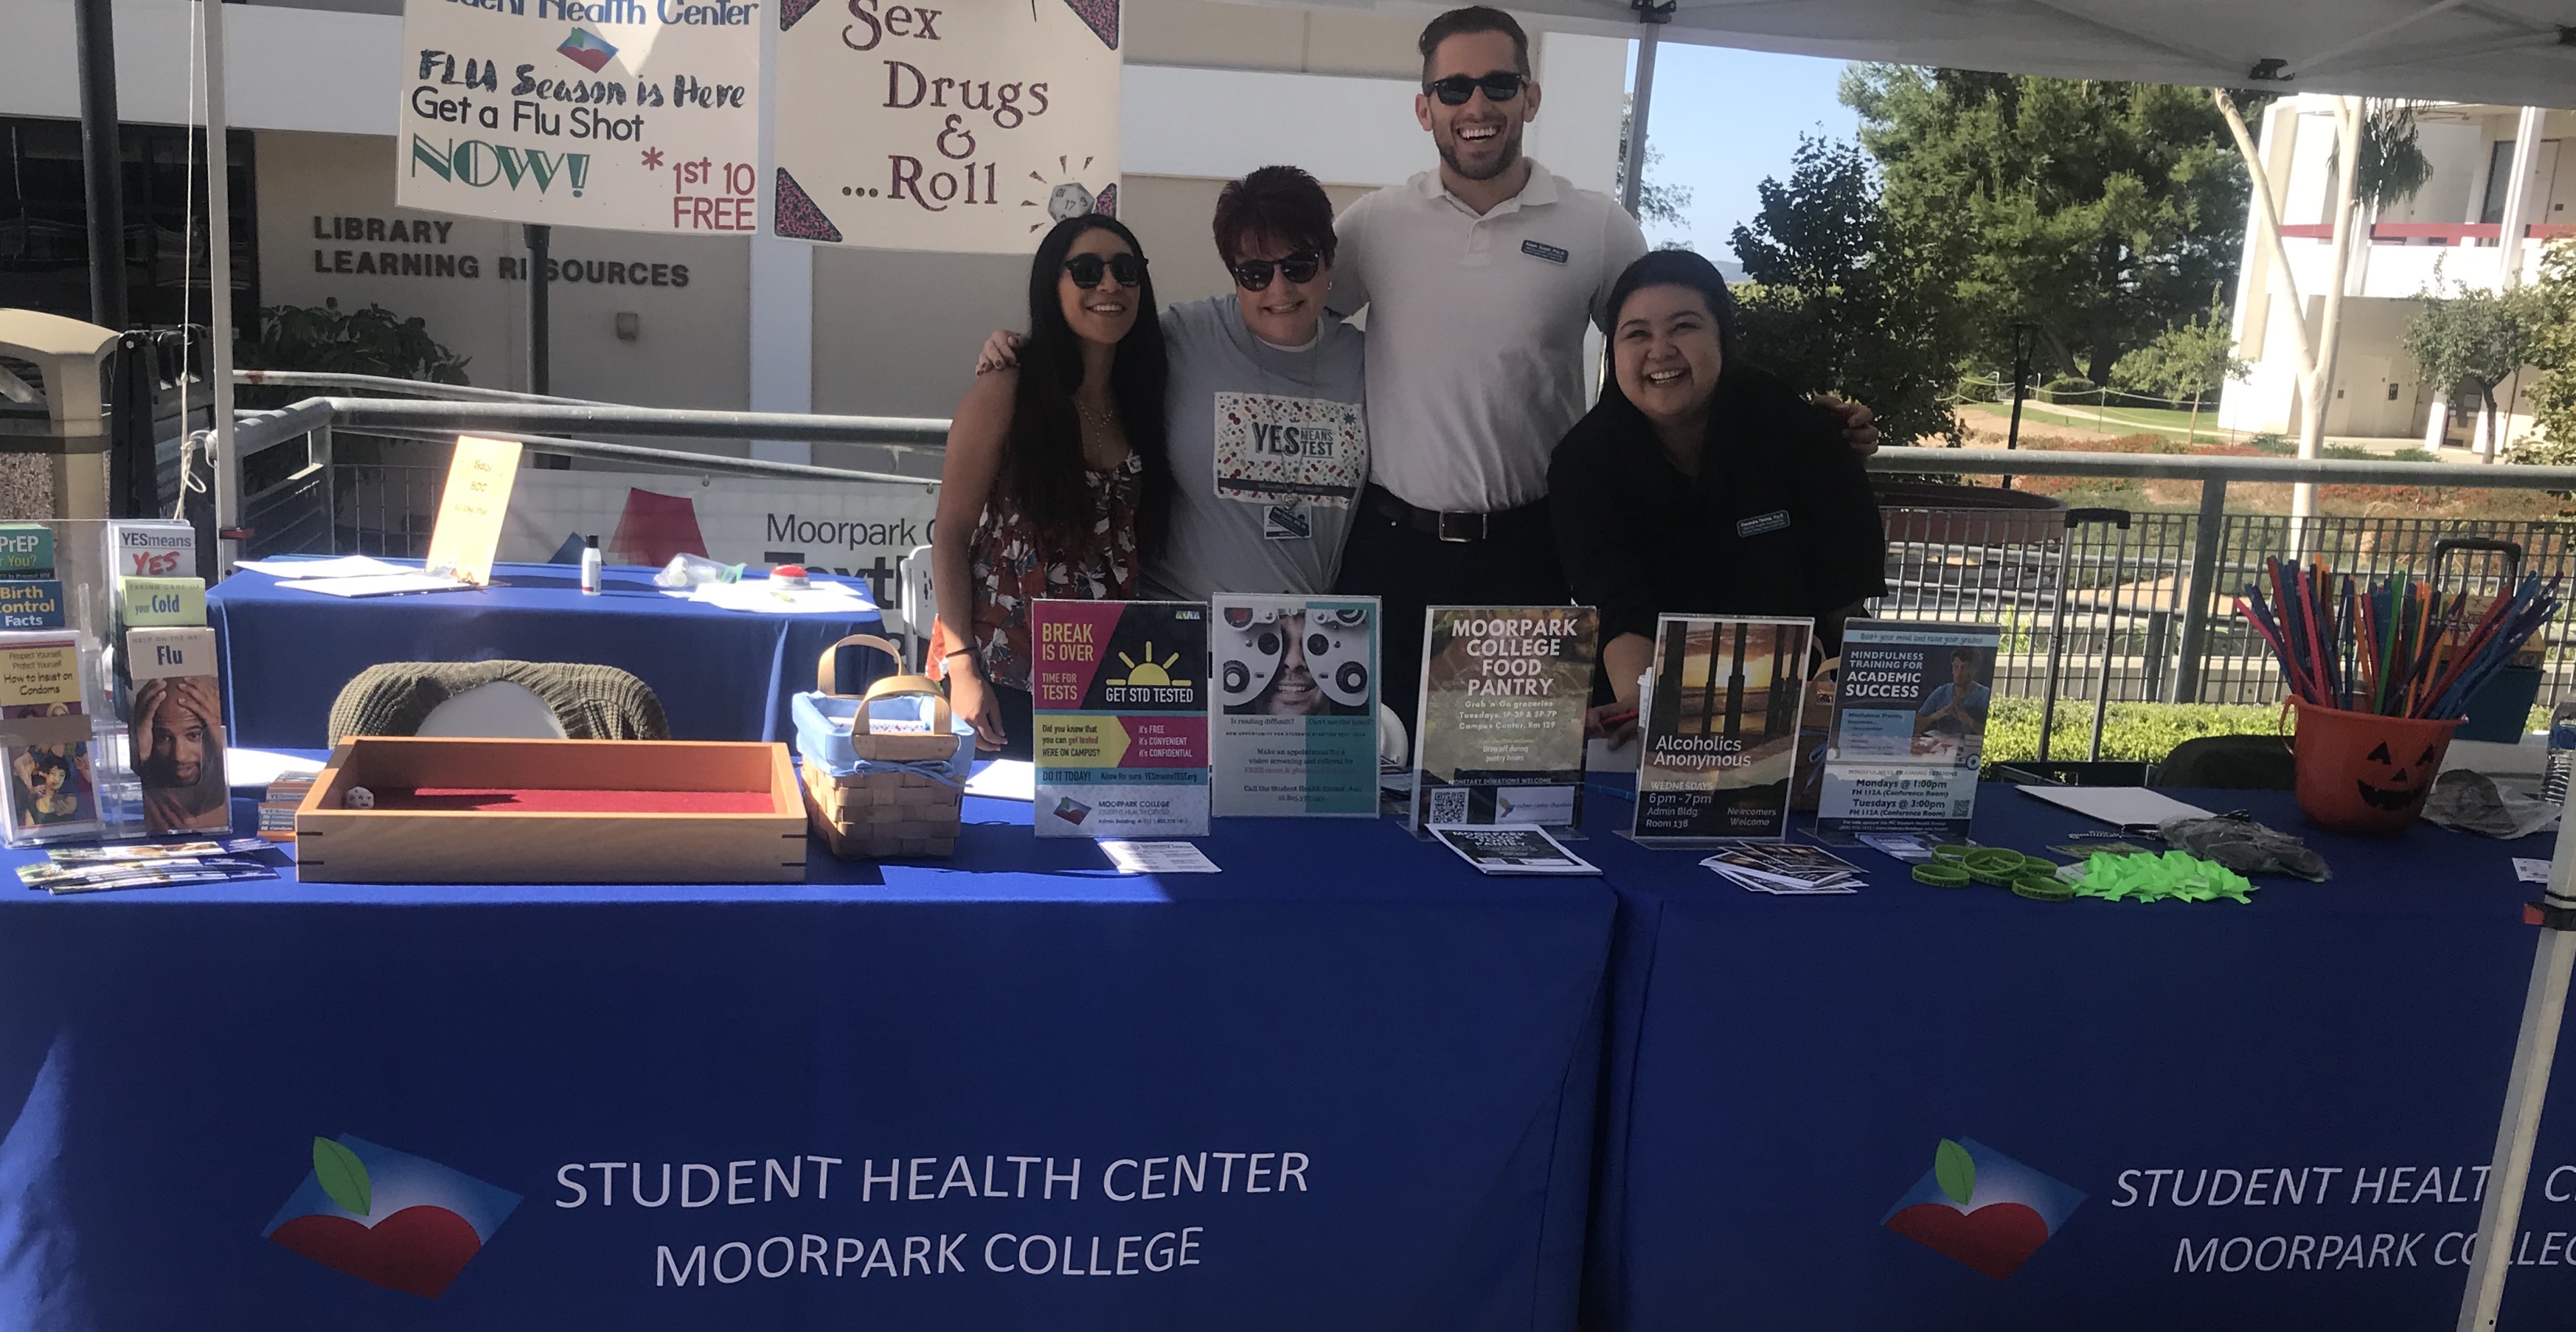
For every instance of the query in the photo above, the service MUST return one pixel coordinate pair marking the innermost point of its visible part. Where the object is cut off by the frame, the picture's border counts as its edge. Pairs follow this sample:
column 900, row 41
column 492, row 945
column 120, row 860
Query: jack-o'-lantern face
column 2393, row 783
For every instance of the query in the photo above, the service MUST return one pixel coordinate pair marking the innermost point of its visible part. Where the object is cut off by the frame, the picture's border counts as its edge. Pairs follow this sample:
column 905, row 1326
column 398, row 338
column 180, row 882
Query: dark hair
column 1281, row 203
column 1042, row 467
column 1474, row 18
column 1967, row 654
column 1674, row 268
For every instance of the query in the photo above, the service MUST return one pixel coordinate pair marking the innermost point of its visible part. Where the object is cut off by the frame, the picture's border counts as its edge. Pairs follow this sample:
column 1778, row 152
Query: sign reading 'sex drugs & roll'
column 970, row 126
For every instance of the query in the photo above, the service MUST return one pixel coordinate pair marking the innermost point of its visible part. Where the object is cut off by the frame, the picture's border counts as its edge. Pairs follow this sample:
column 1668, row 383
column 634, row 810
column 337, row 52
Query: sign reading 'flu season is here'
column 637, row 115
column 973, row 126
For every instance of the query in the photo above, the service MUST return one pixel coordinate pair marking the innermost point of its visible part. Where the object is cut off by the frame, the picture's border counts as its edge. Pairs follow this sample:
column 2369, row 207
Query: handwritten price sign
column 470, row 510
column 971, row 127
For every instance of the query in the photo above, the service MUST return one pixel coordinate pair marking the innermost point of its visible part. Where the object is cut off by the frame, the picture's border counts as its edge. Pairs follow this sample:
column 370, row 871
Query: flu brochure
column 1500, row 735
column 1121, row 743
column 1296, row 705
column 1721, row 728
column 1909, row 729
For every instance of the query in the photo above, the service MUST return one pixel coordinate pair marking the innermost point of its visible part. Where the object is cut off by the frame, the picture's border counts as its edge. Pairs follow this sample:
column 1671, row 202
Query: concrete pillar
column 2437, row 423
column 2517, row 202
column 782, row 339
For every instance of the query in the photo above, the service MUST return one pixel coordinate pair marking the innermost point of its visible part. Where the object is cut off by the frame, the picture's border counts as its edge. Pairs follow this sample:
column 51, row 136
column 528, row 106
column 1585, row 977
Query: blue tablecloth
column 721, row 675
column 1784, row 1069
column 1415, row 1044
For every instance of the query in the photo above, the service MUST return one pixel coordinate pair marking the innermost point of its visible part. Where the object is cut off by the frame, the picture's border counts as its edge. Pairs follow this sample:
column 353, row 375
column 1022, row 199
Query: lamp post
column 2025, row 340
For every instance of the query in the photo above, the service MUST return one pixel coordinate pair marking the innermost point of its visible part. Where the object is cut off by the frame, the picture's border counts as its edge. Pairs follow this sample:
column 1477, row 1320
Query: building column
column 2437, row 422
column 782, row 339
column 2517, row 191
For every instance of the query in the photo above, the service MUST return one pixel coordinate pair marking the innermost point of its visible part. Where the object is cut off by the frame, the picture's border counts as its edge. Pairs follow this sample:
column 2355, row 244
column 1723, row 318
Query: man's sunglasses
column 1087, row 269
column 1254, row 274
column 1501, row 86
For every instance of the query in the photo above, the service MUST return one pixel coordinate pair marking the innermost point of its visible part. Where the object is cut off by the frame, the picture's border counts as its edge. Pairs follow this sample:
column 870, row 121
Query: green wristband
column 1941, row 876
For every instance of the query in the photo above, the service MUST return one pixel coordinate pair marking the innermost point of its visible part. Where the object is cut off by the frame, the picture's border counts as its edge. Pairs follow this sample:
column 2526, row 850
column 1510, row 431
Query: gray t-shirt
column 1269, row 450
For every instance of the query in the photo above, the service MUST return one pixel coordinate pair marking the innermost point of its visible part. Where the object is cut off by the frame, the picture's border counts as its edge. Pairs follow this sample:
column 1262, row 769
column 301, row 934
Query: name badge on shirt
column 1287, row 522
column 1761, row 523
column 1543, row 250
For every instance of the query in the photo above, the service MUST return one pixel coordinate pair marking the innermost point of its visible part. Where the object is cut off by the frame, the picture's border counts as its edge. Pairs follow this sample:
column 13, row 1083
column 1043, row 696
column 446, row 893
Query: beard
column 1504, row 160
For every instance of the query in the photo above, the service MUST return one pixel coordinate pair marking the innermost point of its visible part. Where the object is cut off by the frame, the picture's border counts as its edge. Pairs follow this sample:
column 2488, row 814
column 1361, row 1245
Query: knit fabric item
column 591, row 702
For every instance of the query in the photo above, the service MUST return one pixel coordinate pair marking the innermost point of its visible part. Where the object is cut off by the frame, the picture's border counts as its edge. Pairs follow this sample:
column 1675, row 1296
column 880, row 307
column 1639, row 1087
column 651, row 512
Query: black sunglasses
column 1254, row 274
column 1500, row 86
column 1087, row 269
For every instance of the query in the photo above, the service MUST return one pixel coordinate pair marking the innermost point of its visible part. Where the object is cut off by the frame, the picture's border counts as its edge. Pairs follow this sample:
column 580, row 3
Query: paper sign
column 35, row 603
column 971, row 127
column 40, row 675
column 590, row 113
column 1121, row 725
column 161, row 600
column 158, row 654
column 471, row 508
column 26, row 549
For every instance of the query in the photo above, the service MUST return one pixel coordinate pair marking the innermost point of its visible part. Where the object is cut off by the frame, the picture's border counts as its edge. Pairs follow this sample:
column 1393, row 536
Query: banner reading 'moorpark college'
column 637, row 115
column 974, row 126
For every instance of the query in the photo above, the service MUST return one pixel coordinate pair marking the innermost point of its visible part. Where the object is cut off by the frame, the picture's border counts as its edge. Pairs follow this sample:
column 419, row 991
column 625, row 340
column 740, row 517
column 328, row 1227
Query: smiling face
column 1482, row 139
column 1665, row 353
column 1285, row 313
column 1103, row 313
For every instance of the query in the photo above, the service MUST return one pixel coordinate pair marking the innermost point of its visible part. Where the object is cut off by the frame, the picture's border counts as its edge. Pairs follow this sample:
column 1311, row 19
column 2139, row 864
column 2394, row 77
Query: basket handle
column 905, row 686
column 825, row 674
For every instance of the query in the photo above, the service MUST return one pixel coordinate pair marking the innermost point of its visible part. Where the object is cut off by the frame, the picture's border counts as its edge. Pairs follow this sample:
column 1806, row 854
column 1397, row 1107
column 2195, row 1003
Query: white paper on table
column 759, row 598
column 259, row 767
column 2125, row 806
column 378, row 585
column 1005, row 779
column 2530, row 871
column 345, row 566
column 1158, row 858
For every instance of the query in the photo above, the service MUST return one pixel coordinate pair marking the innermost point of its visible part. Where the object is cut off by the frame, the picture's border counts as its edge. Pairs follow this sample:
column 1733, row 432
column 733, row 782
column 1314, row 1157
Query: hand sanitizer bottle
column 590, row 566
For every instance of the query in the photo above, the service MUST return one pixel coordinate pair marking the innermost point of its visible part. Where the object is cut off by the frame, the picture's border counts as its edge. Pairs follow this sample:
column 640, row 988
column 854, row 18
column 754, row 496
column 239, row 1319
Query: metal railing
column 2141, row 611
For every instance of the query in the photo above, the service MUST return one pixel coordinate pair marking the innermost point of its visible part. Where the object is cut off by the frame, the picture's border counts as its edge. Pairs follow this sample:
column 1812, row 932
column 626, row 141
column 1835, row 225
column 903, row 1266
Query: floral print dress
column 1008, row 572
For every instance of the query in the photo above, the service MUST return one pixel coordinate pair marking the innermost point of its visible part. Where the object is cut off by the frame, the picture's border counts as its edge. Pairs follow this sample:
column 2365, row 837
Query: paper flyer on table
column 1121, row 697
column 1296, row 705
column 1499, row 738
column 1721, row 728
column 1909, row 729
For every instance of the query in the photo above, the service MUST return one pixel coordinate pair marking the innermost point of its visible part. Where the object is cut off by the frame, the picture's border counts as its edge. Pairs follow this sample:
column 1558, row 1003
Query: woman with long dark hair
column 1057, row 483
column 1700, row 484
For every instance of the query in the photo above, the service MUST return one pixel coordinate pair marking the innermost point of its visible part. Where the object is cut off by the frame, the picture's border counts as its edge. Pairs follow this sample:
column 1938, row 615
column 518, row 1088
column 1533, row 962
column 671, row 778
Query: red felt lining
column 546, row 800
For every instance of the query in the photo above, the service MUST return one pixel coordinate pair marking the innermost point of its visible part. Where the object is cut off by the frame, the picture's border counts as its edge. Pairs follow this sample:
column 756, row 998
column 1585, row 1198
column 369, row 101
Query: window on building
column 44, row 233
column 2499, row 180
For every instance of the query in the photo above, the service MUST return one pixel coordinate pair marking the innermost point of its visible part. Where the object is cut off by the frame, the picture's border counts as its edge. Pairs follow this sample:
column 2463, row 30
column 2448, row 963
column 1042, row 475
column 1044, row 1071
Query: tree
column 372, row 341
column 1840, row 295
column 1657, row 204
column 2475, row 337
column 2553, row 352
column 2097, row 211
column 2189, row 360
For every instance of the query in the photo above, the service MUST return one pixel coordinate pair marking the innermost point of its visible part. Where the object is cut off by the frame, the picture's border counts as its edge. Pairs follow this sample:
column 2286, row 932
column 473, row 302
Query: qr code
column 1449, row 805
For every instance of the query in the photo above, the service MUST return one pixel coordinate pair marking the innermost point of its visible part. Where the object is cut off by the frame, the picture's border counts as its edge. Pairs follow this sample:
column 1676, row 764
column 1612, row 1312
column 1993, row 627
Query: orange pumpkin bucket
column 2360, row 772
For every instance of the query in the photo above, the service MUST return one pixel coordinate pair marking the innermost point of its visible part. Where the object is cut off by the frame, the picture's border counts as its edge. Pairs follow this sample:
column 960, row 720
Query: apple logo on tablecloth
column 1981, row 1208
column 398, row 1220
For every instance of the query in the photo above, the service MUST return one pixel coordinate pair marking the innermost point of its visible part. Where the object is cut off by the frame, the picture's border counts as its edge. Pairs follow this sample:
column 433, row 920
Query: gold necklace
column 1096, row 420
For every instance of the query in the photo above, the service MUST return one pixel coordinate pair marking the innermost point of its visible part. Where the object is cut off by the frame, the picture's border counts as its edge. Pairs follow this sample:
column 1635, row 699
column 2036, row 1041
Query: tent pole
column 102, row 162
column 219, row 292
column 2544, row 1004
column 1651, row 18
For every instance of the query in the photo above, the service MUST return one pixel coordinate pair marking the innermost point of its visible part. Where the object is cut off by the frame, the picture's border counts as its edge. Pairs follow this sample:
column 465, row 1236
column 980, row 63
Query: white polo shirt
column 1475, row 330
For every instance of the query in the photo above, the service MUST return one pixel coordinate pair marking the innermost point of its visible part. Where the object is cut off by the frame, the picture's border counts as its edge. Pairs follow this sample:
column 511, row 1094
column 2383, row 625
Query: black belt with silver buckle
column 1454, row 527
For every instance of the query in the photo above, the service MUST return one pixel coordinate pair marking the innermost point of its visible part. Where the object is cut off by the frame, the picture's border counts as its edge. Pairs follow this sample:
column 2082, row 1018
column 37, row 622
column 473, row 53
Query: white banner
column 637, row 115
column 968, row 128
column 860, row 528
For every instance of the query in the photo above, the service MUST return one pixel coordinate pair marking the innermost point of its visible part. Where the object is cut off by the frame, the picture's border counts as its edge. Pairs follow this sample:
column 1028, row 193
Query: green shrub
column 2135, row 732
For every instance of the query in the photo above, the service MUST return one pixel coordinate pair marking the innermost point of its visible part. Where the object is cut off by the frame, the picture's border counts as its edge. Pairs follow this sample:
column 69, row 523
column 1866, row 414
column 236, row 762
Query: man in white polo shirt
column 1479, row 280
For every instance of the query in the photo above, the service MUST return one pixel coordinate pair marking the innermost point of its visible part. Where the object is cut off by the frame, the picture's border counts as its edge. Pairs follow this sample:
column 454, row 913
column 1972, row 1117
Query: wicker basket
column 907, row 807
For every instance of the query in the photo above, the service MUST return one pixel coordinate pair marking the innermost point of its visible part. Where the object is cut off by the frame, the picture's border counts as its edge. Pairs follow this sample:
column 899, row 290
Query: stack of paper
column 1511, row 848
column 157, row 865
column 1787, row 869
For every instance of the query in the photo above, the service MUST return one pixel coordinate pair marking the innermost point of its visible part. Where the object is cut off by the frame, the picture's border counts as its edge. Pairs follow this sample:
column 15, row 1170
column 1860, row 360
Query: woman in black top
column 1702, row 485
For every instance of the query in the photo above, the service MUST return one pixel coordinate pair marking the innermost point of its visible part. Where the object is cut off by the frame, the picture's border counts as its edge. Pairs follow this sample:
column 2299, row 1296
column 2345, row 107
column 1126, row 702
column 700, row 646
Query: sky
column 1724, row 119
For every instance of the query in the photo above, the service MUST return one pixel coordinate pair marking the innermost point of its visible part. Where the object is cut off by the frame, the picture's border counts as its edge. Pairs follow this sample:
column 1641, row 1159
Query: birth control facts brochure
column 1121, row 697
column 1909, row 730
column 1499, row 738
column 1721, row 728
column 1296, row 705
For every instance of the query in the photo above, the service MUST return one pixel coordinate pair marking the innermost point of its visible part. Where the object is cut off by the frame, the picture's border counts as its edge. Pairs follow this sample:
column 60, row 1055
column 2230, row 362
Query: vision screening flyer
column 1121, row 718
column 1296, row 692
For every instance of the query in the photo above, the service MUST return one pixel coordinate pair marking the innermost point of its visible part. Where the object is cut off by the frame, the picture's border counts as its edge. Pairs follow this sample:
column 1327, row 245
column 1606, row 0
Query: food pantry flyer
column 1721, row 728
column 1121, row 718
column 1500, row 735
column 1909, row 729
column 1296, row 715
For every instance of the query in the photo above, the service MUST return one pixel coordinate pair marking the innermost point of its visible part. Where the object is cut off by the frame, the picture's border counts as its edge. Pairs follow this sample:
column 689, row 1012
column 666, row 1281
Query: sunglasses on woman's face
column 1500, row 86
column 1087, row 269
column 1254, row 274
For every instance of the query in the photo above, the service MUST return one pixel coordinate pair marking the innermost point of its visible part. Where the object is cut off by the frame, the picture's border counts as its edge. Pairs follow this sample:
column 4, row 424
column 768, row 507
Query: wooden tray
column 554, row 811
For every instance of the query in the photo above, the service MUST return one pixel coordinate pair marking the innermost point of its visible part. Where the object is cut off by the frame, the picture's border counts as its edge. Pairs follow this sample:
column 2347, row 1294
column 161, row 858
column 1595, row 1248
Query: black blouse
column 1780, row 520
